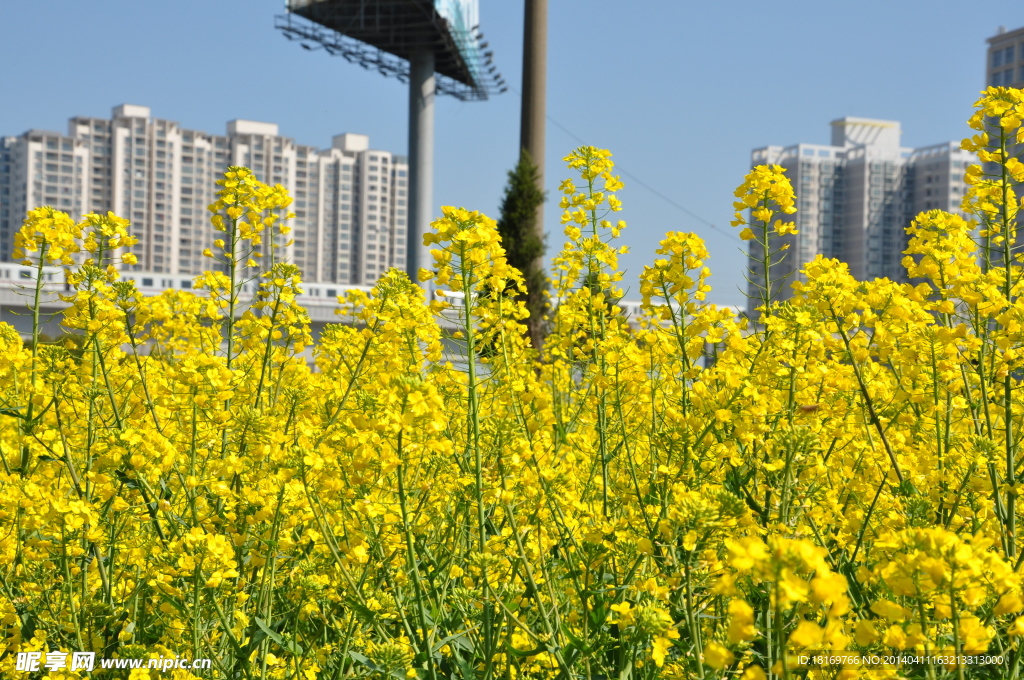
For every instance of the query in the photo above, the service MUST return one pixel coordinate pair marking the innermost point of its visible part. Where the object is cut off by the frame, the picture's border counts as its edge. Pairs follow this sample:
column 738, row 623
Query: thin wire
column 645, row 185
column 657, row 193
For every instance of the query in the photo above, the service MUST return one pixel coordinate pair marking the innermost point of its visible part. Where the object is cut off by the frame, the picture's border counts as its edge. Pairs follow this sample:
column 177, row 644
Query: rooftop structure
column 386, row 35
column 1004, row 63
column 413, row 40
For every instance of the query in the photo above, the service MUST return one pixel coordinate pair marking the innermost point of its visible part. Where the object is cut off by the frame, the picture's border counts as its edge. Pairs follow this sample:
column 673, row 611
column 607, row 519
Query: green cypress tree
column 523, row 239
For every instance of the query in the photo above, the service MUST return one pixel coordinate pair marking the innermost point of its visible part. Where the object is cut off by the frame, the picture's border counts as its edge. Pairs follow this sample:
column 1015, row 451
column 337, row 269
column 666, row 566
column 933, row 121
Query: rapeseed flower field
column 829, row 493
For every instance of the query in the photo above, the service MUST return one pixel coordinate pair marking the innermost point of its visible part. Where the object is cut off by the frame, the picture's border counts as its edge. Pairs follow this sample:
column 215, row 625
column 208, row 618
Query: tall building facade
column 855, row 198
column 350, row 201
column 1004, row 65
column 40, row 168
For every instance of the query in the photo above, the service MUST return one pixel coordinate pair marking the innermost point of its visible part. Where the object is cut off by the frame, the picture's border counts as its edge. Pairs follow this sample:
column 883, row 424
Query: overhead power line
column 654, row 191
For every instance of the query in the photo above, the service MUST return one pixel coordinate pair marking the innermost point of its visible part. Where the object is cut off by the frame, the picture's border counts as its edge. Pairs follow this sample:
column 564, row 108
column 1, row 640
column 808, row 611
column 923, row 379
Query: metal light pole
column 535, row 58
column 421, row 159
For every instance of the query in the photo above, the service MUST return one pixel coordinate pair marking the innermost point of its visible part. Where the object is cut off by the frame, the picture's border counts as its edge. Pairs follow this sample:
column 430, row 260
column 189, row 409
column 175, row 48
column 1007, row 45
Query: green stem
column 26, row 425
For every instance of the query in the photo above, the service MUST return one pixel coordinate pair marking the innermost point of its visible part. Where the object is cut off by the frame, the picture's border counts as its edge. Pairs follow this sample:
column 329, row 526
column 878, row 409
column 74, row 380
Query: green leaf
column 524, row 653
column 288, row 645
column 577, row 643
column 364, row 660
column 361, row 609
column 457, row 639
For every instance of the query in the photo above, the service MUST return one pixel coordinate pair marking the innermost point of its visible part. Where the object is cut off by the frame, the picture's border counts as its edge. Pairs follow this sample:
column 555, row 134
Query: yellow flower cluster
column 991, row 196
column 56, row 237
column 244, row 209
column 585, row 212
column 50, row 233
column 474, row 248
column 934, row 571
column 766, row 191
column 670, row 278
column 107, row 232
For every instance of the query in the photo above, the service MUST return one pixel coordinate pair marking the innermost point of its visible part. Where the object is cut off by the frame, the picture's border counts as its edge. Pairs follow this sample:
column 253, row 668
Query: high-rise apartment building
column 1004, row 66
column 40, row 168
column 855, row 198
column 350, row 201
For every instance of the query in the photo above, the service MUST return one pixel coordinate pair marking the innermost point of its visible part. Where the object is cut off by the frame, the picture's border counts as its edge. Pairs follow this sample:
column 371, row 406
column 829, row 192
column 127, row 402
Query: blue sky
column 679, row 91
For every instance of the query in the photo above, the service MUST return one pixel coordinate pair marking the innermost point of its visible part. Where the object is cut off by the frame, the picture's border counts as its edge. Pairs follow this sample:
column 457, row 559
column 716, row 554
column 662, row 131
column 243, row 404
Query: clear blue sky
column 679, row 91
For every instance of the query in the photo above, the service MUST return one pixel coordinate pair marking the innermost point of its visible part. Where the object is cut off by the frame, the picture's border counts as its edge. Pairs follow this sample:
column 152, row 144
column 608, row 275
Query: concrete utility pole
column 421, row 159
column 535, row 59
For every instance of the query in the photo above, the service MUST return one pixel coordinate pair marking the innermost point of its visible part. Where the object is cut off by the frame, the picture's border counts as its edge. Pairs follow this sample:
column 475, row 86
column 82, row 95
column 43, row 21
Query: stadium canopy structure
column 434, row 45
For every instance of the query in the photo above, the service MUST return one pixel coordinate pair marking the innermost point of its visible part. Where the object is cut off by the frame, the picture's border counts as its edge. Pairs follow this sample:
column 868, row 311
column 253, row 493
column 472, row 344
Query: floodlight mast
column 434, row 45
column 421, row 159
